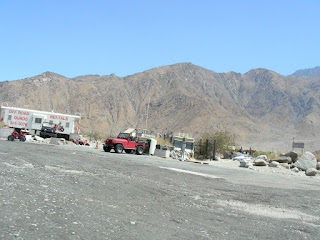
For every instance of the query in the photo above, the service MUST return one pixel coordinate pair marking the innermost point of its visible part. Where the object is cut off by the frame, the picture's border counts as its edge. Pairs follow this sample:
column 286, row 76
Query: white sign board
column 32, row 119
column 18, row 118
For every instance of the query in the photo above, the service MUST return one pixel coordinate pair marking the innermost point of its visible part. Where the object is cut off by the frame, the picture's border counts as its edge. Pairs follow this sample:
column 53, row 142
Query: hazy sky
column 74, row 37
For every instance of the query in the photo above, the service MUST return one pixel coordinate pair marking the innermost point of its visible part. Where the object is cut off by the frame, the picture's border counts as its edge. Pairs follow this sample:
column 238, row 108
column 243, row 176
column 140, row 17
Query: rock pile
column 307, row 162
column 35, row 139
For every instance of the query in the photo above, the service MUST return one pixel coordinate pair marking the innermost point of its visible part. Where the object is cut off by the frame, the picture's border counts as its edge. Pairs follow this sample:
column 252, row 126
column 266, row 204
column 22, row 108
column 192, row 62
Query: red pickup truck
column 125, row 142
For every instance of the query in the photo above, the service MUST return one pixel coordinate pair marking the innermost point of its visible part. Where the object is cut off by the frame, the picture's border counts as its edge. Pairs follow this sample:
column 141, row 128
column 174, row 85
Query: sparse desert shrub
column 268, row 154
column 317, row 156
column 224, row 141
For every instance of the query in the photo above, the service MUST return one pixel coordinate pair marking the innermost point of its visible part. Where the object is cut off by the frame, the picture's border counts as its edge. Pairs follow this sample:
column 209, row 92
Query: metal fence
column 205, row 150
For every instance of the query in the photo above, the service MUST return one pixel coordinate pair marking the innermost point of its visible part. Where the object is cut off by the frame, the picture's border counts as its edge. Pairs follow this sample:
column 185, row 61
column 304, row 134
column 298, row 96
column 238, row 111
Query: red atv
column 124, row 142
column 58, row 127
column 18, row 134
column 81, row 142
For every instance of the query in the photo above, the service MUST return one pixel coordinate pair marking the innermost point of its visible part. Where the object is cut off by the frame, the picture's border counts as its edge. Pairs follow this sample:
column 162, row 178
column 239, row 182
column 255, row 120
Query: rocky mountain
column 262, row 108
column 308, row 72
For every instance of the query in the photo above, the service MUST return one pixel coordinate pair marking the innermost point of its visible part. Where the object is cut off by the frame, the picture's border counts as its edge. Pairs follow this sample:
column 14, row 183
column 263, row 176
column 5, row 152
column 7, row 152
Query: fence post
column 214, row 150
column 207, row 146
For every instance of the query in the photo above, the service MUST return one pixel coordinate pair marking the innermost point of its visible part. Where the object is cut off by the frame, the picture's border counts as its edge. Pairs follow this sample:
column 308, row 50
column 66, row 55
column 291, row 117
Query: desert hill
column 262, row 108
column 308, row 72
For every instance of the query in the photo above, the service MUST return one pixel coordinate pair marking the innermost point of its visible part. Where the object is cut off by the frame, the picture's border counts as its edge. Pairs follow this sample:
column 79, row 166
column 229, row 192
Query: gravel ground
column 79, row 192
column 229, row 163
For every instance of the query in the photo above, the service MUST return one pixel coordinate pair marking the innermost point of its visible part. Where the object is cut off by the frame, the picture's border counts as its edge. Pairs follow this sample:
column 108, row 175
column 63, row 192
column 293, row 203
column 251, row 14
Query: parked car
column 126, row 142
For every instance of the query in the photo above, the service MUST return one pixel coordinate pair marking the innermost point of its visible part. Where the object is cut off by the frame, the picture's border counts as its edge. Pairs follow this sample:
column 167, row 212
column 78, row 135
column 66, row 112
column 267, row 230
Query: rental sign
column 17, row 118
column 35, row 120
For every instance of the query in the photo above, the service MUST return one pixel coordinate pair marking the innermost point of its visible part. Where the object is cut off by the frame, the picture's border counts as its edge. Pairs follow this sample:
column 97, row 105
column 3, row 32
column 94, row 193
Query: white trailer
column 34, row 121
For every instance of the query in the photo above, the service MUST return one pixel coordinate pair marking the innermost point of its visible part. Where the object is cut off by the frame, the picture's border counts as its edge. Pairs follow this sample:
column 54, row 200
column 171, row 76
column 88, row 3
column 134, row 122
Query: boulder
column 295, row 169
column 306, row 161
column 245, row 163
column 29, row 138
column 260, row 162
column 38, row 139
column 285, row 165
column 311, row 172
column 249, row 165
column 293, row 156
column 274, row 164
column 239, row 157
column 264, row 157
column 282, row 159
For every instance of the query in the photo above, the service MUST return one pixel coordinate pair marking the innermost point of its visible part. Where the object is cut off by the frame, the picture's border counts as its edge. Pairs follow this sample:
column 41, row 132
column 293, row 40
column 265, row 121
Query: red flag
column 78, row 127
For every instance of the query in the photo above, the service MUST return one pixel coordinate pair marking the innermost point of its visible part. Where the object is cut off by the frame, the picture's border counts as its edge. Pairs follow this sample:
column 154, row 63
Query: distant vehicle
column 81, row 141
column 18, row 134
column 127, row 141
column 48, row 132
column 40, row 122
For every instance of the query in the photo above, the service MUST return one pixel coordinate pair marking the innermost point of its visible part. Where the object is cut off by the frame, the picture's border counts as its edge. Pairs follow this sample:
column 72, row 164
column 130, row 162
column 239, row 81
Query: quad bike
column 81, row 142
column 18, row 135
column 59, row 128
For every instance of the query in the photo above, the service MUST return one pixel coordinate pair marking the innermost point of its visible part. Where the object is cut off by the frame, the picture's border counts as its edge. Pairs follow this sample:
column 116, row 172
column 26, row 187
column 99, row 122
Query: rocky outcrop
column 295, row 169
column 260, row 162
column 292, row 155
column 263, row 157
column 306, row 161
column 246, row 163
column 274, row 164
column 307, row 72
column 311, row 172
column 182, row 97
column 282, row 159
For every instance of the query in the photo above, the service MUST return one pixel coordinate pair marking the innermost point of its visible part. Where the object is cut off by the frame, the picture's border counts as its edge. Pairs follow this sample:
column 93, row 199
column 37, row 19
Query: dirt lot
column 229, row 163
column 78, row 192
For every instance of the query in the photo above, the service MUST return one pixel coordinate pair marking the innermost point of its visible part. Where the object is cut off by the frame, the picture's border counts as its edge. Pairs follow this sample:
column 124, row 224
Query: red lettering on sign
column 21, row 118
column 59, row 117
column 23, row 113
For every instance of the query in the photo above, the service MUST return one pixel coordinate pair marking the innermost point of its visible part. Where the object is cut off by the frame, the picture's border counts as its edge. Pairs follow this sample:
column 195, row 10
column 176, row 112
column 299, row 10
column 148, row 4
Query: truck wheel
column 23, row 139
column 107, row 149
column 139, row 150
column 128, row 150
column 118, row 148
column 10, row 138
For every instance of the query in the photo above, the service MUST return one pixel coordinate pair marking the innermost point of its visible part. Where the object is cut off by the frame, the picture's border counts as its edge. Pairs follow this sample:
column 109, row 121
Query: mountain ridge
column 307, row 72
column 262, row 108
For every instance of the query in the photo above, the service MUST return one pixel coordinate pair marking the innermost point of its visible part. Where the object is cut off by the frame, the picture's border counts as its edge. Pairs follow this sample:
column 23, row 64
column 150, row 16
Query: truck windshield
column 123, row 135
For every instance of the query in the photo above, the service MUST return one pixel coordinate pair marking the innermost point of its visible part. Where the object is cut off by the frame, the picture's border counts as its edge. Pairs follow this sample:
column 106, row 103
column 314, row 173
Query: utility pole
column 147, row 114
